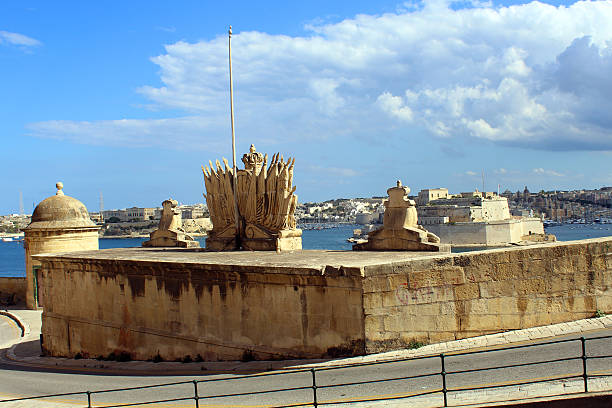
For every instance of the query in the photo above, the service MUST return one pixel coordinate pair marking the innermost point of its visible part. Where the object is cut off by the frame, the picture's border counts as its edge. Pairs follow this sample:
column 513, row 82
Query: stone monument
column 170, row 232
column 266, row 205
column 400, row 231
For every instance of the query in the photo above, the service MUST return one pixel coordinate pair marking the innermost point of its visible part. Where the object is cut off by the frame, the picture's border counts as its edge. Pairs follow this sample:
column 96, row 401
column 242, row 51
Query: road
column 9, row 330
column 16, row 382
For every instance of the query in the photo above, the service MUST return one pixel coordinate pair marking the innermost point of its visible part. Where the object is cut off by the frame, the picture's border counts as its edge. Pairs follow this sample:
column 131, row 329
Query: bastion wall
column 470, row 294
column 12, row 290
column 220, row 312
column 310, row 304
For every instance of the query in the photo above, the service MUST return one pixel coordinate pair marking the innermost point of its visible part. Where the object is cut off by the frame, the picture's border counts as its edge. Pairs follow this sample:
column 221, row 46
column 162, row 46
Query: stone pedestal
column 400, row 231
column 170, row 232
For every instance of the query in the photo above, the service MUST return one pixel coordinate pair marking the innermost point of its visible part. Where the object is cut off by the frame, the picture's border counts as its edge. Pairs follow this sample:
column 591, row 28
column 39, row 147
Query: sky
column 130, row 99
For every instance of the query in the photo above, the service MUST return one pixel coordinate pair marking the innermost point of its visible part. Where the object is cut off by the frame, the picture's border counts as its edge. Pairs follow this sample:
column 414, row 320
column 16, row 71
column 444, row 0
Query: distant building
column 431, row 194
column 474, row 218
column 132, row 214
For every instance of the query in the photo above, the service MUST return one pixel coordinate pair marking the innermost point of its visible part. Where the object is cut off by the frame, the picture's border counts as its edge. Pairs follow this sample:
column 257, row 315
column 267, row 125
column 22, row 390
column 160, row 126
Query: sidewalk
column 26, row 351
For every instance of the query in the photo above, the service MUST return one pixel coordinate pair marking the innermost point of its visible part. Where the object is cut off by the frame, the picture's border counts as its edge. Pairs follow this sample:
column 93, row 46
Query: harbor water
column 12, row 255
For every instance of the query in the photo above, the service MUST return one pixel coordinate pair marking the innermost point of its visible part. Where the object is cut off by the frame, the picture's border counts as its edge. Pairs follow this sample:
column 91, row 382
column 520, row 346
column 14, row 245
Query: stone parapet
column 469, row 294
column 309, row 304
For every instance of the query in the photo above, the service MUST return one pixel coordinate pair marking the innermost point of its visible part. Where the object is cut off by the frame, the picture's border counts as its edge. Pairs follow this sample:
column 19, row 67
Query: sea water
column 12, row 255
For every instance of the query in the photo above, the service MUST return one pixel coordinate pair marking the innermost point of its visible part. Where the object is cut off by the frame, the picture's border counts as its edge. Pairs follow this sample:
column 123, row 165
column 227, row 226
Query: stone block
column 425, row 279
column 376, row 284
column 447, row 308
column 480, row 306
column 534, row 268
column 426, row 309
column 373, row 324
column 509, row 321
column 391, row 299
column 397, row 280
column 529, row 287
column 372, row 301
column 497, row 289
column 467, row 291
column 478, row 273
column 453, row 275
column 441, row 337
column 604, row 303
column 505, row 271
column 446, row 324
column 579, row 263
column 598, row 262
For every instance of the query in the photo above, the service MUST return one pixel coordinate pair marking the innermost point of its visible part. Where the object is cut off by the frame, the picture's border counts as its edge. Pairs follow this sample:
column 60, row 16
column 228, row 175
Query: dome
column 60, row 211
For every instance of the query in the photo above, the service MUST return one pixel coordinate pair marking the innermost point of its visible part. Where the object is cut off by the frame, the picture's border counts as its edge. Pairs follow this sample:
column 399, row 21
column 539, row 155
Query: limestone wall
column 532, row 225
column 53, row 241
column 463, row 295
column 221, row 312
column 461, row 233
column 12, row 290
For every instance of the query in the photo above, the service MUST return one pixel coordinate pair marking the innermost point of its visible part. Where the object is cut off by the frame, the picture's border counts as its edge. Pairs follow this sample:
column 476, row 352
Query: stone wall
column 463, row 295
column 221, row 312
column 175, row 303
column 12, row 291
column 44, row 241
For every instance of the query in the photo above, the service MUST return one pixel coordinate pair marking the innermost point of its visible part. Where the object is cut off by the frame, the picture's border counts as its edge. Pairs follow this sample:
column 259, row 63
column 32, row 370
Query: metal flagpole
column 235, row 175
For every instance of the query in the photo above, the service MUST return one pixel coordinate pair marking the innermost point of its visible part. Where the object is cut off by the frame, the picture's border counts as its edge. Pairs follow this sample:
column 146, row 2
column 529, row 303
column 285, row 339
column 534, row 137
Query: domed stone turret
column 60, row 211
column 59, row 224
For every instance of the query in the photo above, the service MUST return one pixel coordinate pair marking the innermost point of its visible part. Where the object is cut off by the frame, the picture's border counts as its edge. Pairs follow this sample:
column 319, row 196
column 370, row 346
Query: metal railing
column 315, row 387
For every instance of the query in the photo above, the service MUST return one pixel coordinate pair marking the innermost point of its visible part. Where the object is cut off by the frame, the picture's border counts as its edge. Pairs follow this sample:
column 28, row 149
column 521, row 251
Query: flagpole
column 235, row 175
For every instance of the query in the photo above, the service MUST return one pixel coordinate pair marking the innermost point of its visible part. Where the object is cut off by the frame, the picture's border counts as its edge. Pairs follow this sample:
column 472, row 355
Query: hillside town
column 576, row 206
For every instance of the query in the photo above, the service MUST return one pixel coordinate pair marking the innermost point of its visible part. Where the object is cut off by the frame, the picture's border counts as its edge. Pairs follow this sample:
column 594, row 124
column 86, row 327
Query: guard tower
column 59, row 224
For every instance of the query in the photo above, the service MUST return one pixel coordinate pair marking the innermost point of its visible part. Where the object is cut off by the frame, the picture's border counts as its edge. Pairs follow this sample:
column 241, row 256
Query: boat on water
column 11, row 239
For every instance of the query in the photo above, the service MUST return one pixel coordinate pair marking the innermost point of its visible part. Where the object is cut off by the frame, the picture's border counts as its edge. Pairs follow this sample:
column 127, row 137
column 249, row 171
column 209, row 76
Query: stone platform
column 174, row 302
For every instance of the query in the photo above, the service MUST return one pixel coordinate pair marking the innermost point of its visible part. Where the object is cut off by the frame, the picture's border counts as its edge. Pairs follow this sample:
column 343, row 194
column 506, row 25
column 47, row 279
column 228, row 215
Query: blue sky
column 130, row 98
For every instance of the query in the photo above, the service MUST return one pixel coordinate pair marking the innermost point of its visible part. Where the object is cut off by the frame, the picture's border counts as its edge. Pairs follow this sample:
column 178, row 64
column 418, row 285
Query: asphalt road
column 8, row 330
column 15, row 382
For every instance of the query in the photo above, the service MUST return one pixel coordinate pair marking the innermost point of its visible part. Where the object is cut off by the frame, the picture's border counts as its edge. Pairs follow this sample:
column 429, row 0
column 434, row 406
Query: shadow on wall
column 12, row 291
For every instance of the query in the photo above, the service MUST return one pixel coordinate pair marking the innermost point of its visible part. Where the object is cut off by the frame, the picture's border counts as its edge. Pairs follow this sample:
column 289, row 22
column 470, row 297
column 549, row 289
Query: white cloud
column 471, row 173
column 179, row 133
column 335, row 171
column 17, row 39
column 543, row 172
column 530, row 75
column 394, row 106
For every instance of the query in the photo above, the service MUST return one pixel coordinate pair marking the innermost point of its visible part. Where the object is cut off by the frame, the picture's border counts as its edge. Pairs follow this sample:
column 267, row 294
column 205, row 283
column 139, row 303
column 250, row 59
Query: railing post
column 88, row 399
column 195, row 394
column 584, row 365
column 443, row 373
column 314, row 388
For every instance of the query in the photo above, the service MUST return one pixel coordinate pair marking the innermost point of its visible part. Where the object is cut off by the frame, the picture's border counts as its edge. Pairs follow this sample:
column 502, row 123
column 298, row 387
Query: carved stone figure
column 170, row 232
column 266, row 204
column 400, row 231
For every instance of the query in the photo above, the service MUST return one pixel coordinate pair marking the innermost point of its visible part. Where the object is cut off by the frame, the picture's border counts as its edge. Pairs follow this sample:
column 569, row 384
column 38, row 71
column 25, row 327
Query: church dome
column 60, row 211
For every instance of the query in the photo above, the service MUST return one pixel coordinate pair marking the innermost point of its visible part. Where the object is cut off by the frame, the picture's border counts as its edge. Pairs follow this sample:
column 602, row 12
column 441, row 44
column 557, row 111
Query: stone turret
column 59, row 224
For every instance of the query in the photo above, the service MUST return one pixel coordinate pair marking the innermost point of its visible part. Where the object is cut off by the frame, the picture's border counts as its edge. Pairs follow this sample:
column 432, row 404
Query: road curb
column 491, row 341
column 14, row 318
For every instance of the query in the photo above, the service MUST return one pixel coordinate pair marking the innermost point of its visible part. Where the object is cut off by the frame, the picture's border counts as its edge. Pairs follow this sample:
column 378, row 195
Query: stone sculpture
column 170, row 232
column 400, row 231
column 266, row 204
